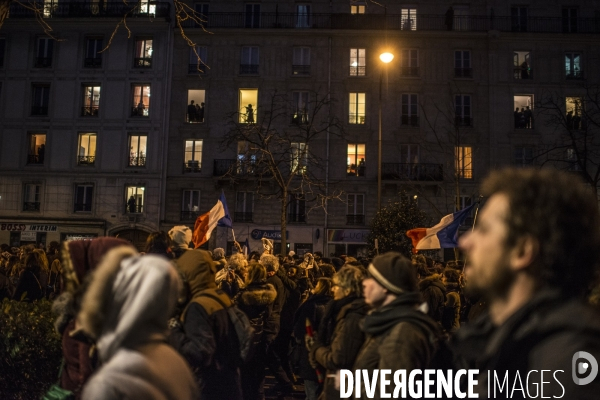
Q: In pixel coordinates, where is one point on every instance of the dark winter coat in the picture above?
(398, 337)
(29, 283)
(434, 293)
(341, 348)
(313, 309)
(256, 301)
(291, 300)
(207, 337)
(278, 304)
(545, 334)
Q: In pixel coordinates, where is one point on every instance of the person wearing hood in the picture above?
(204, 334)
(80, 258)
(125, 311)
(256, 301)
(339, 336)
(181, 236)
(399, 335)
(219, 258)
(433, 290)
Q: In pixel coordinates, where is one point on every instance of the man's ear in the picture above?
(524, 253)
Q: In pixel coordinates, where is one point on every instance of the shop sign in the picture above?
(347, 235)
(258, 234)
(80, 236)
(26, 227)
(28, 236)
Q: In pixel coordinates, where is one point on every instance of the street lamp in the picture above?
(385, 58)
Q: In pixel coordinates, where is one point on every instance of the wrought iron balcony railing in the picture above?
(35, 159)
(92, 62)
(463, 72)
(358, 219)
(79, 207)
(300, 69)
(31, 206)
(89, 111)
(410, 120)
(137, 161)
(109, 9)
(192, 166)
(412, 171)
(86, 160)
(42, 62)
(142, 62)
(248, 69)
(39, 110)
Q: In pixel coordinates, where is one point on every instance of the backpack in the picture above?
(243, 328)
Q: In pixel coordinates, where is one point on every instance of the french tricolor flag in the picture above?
(206, 223)
(443, 235)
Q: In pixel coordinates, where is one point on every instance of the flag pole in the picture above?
(235, 243)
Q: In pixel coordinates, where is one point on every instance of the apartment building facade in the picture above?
(447, 101)
(83, 121)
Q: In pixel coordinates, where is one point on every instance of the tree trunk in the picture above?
(4, 8)
(283, 223)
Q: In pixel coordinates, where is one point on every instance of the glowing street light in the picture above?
(386, 57)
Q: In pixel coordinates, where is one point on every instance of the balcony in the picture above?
(92, 62)
(137, 161)
(412, 172)
(192, 166)
(463, 72)
(296, 218)
(522, 73)
(31, 206)
(35, 159)
(409, 71)
(223, 167)
(83, 207)
(248, 69)
(89, 111)
(242, 216)
(409, 120)
(111, 9)
(358, 70)
(301, 70)
(39, 110)
(189, 215)
(358, 219)
(134, 208)
(356, 170)
(42, 62)
(142, 62)
(86, 160)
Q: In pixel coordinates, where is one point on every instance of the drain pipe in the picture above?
(327, 147)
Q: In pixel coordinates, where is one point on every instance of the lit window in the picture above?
(137, 150)
(143, 53)
(522, 65)
(358, 62)
(357, 108)
(409, 19)
(91, 100)
(356, 160)
(193, 155)
(141, 100)
(195, 107)
(134, 199)
(248, 100)
(190, 205)
(574, 109)
(37, 148)
(464, 162)
(300, 107)
(299, 158)
(246, 158)
(573, 66)
(358, 8)
(87, 149)
(83, 198)
(523, 114)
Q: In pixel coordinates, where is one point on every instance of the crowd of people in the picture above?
(181, 323)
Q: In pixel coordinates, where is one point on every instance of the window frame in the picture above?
(298, 158)
(85, 196)
(358, 69)
(303, 15)
(249, 60)
(461, 69)
(141, 48)
(408, 18)
(520, 157)
(137, 158)
(91, 108)
(463, 162)
(88, 158)
(41, 92)
(300, 114)
(355, 117)
(139, 208)
(409, 63)
(194, 162)
(571, 73)
(93, 55)
(357, 217)
(36, 204)
(243, 110)
(190, 213)
(358, 167)
(143, 98)
(410, 109)
(463, 118)
(296, 208)
(33, 149)
(43, 53)
(244, 209)
(198, 66)
(301, 60)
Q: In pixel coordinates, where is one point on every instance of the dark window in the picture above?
(301, 61)
(244, 204)
(303, 16)
(198, 60)
(462, 64)
(410, 63)
(201, 15)
(573, 66)
(40, 99)
(31, 197)
(249, 64)
(523, 156)
(252, 17)
(43, 55)
(462, 104)
(355, 214)
(300, 108)
(2, 49)
(518, 17)
(296, 208)
(410, 113)
(190, 205)
(93, 55)
(83, 198)
(569, 20)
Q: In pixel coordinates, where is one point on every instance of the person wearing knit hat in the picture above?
(181, 236)
(399, 335)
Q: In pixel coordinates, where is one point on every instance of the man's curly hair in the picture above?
(560, 212)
